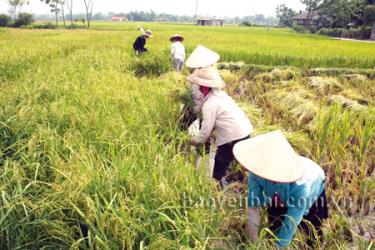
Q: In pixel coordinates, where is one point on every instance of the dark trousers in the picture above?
(314, 218)
(224, 157)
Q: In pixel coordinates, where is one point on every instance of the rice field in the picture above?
(91, 155)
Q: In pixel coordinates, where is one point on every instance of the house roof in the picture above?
(306, 16)
(209, 19)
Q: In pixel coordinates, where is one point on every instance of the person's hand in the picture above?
(197, 109)
(193, 142)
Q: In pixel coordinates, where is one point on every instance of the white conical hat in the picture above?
(202, 57)
(208, 77)
(269, 156)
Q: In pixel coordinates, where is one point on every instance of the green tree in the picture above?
(69, 5)
(100, 16)
(23, 19)
(311, 5)
(4, 20)
(62, 3)
(89, 5)
(369, 15)
(54, 7)
(339, 13)
(285, 15)
(15, 6)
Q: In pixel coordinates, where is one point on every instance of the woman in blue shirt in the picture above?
(291, 186)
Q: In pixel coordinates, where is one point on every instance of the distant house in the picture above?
(118, 19)
(160, 20)
(306, 18)
(210, 22)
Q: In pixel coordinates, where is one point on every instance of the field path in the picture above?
(353, 40)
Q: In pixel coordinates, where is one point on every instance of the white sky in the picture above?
(219, 8)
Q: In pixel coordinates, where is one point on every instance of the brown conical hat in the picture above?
(181, 38)
(148, 33)
(208, 77)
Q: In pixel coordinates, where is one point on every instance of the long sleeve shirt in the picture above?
(178, 51)
(298, 196)
(139, 44)
(221, 113)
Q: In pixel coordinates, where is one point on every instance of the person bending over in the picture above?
(220, 113)
(140, 42)
(290, 186)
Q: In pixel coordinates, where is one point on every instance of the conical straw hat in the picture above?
(181, 38)
(269, 156)
(148, 33)
(202, 57)
(208, 77)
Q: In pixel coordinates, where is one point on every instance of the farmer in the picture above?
(220, 113)
(140, 42)
(178, 52)
(200, 58)
(291, 186)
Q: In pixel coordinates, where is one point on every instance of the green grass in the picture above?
(268, 46)
(85, 142)
(265, 46)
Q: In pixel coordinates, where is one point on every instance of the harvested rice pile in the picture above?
(328, 115)
(346, 103)
(277, 75)
(324, 85)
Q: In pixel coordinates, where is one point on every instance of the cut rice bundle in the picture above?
(346, 103)
(296, 103)
(235, 66)
(277, 75)
(324, 85)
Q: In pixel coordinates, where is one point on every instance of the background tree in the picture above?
(89, 5)
(285, 15)
(23, 19)
(369, 15)
(311, 5)
(15, 6)
(54, 7)
(69, 5)
(101, 16)
(259, 18)
(340, 13)
(62, 3)
(5, 20)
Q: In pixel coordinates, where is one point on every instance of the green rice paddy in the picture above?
(91, 155)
